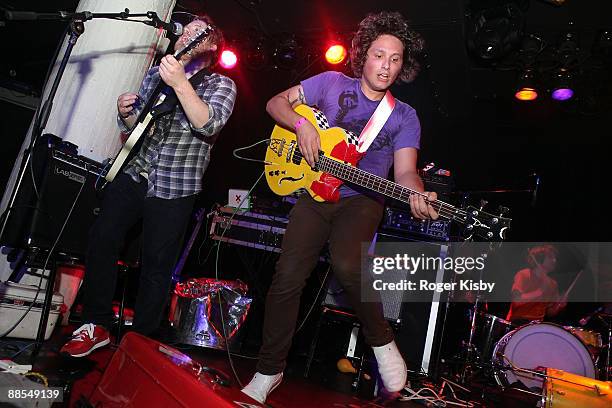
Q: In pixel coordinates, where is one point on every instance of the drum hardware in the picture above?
(469, 348)
(607, 319)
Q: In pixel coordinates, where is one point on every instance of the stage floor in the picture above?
(325, 387)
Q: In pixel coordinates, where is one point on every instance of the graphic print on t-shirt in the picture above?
(347, 100)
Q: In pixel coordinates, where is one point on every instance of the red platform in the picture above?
(146, 373)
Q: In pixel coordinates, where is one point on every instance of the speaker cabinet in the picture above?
(63, 202)
(418, 324)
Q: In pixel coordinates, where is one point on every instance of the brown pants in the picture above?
(346, 225)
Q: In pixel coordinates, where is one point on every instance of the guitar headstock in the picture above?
(484, 225)
(194, 40)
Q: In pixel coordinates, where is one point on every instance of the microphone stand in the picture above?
(77, 27)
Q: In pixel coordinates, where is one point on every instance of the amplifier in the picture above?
(248, 228)
(399, 220)
(418, 325)
(437, 181)
(64, 185)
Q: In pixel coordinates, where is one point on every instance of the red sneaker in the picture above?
(86, 339)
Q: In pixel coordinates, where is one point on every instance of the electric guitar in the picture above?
(287, 172)
(153, 108)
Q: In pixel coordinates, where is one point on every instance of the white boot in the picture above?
(391, 366)
(262, 385)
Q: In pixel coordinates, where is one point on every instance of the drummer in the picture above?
(535, 295)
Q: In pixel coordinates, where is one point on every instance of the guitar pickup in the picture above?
(290, 156)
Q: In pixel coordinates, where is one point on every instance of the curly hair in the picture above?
(392, 23)
(216, 37)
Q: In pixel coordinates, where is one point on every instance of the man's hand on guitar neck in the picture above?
(309, 141)
(422, 207)
(172, 72)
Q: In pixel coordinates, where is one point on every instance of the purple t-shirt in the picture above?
(344, 104)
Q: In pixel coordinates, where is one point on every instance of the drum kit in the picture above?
(563, 365)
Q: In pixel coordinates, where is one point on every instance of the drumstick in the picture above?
(571, 286)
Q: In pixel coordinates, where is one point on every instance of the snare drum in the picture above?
(536, 345)
(565, 390)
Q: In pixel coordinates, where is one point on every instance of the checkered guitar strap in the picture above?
(322, 123)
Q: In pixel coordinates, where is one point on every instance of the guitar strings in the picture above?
(444, 209)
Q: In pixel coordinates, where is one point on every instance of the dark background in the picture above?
(471, 123)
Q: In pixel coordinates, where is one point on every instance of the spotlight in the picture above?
(603, 45)
(531, 47)
(567, 50)
(562, 89)
(228, 59)
(494, 32)
(257, 55)
(286, 53)
(526, 89)
(335, 54)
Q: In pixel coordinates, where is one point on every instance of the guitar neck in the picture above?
(154, 96)
(383, 186)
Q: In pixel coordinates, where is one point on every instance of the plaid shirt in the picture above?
(174, 154)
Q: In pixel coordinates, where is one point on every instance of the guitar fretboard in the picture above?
(383, 186)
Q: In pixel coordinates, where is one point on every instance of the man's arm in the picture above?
(206, 118)
(196, 110)
(127, 108)
(173, 74)
(281, 108)
(405, 173)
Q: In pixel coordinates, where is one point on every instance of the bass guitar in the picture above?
(288, 172)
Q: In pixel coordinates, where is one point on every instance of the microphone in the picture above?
(172, 27)
(588, 317)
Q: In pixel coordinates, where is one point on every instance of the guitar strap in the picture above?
(171, 99)
(328, 186)
(376, 122)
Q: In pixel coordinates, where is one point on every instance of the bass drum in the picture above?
(538, 345)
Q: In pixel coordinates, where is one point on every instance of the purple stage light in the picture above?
(562, 94)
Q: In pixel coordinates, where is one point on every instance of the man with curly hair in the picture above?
(383, 52)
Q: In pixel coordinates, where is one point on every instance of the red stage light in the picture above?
(335, 54)
(228, 59)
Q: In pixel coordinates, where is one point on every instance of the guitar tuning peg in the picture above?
(483, 203)
(503, 210)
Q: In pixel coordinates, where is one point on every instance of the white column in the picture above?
(110, 57)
